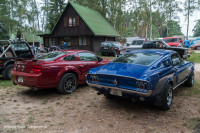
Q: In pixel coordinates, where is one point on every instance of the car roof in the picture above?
(154, 51)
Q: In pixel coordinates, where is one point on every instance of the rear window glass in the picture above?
(51, 56)
(137, 42)
(20, 46)
(106, 44)
(138, 58)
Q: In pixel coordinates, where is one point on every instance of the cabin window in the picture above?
(82, 41)
(70, 22)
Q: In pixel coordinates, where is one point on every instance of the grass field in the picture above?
(194, 57)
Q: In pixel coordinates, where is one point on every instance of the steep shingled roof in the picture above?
(94, 20)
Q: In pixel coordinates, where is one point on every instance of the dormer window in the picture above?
(71, 21)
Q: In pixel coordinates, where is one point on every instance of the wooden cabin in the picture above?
(80, 28)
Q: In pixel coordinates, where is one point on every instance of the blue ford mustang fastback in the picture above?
(143, 74)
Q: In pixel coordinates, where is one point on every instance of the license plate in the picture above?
(105, 48)
(116, 92)
(20, 79)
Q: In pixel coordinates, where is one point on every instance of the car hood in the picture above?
(122, 69)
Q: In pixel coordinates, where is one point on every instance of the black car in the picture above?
(111, 48)
(183, 52)
(11, 51)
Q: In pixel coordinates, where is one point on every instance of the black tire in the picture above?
(190, 81)
(6, 72)
(167, 97)
(67, 84)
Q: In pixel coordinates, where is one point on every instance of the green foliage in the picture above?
(194, 57)
(128, 17)
(196, 29)
(5, 83)
(53, 9)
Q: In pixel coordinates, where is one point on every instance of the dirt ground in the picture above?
(83, 111)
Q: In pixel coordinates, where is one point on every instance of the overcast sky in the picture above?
(183, 22)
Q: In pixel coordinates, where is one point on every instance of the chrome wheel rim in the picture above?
(169, 97)
(70, 84)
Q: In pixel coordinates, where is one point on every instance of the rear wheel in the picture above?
(190, 81)
(67, 84)
(167, 97)
(6, 74)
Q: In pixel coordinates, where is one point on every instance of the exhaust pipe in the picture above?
(99, 92)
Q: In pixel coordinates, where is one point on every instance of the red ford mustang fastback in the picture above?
(61, 69)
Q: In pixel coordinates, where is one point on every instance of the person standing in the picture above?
(187, 43)
(123, 48)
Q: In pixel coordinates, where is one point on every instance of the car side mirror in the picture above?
(128, 44)
(176, 62)
(181, 41)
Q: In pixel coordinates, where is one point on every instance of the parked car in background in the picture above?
(12, 50)
(195, 46)
(183, 52)
(130, 39)
(61, 69)
(110, 47)
(135, 44)
(54, 48)
(150, 75)
(173, 41)
(195, 42)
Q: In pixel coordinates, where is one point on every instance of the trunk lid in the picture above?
(123, 69)
(26, 65)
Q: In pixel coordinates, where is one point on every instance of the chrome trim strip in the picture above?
(179, 84)
(118, 76)
(123, 90)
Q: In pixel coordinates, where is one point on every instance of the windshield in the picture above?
(20, 46)
(138, 58)
(170, 40)
(51, 56)
(137, 42)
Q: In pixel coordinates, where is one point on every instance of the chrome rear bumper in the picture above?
(123, 90)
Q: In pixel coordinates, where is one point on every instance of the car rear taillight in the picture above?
(35, 69)
(15, 67)
(1, 62)
(111, 48)
(118, 51)
(142, 85)
(185, 52)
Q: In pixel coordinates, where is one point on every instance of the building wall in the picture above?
(62, 31)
